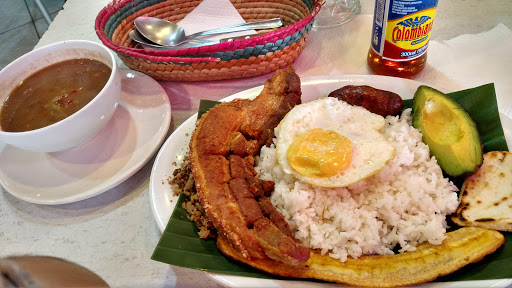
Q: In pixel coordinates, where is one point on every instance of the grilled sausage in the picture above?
(377, 101)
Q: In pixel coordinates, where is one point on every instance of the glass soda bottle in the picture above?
(400, 36)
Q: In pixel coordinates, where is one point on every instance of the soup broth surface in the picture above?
(52, 94)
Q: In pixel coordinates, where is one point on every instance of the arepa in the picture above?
(485, 198)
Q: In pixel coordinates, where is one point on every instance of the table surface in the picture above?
(86, 232)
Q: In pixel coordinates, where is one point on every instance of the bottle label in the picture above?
(401, 28)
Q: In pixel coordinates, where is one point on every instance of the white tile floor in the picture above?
(21, 26)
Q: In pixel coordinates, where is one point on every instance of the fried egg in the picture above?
(329, 143)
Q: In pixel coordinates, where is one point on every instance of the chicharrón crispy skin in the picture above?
(222, 150)
(461, 247)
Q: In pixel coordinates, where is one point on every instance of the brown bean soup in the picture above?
(52, 94)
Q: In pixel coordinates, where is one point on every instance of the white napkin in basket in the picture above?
(213, 14)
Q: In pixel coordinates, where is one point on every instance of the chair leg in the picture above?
(44, 11)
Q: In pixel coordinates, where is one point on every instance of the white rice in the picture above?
(405, 204)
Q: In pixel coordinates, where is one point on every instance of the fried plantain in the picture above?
(428, 262)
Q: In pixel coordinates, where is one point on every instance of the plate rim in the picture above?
(241, 281)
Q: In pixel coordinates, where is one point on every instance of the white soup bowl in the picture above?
(79, 127)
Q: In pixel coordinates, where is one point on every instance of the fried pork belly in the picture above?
(222, 150)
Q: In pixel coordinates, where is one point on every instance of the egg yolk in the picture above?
(320, 153)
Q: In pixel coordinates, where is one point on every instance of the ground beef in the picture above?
(182, 181)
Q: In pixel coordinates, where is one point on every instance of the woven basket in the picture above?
(239, 58)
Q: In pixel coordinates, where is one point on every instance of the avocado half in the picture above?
(448, 130)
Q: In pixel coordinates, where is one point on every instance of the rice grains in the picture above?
(402, 206)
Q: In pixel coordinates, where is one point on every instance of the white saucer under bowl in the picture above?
(135, 132)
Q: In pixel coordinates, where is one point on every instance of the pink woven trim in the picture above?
(245, 43)
(177, 55)
(99, 27)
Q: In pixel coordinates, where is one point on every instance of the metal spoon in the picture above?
(167, 33)
(136, 36)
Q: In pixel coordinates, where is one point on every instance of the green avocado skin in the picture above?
(451, 134)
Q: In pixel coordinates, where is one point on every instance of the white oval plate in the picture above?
(175, 148)
(133, 135)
